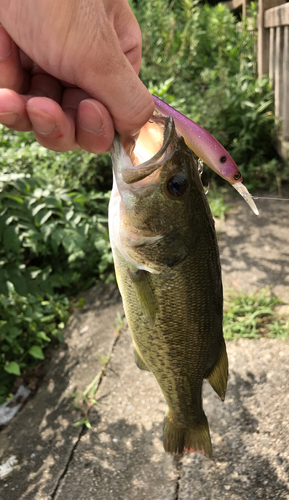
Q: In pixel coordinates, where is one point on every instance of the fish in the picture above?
(208, 149)
(169, 275)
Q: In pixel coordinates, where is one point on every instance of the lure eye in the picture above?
(223, 159)
(177, 186)
(237, 176)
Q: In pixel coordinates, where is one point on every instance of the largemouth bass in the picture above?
(168, 272)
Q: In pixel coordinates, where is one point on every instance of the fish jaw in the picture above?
(124, 236)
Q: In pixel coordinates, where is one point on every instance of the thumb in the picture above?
(109, 77)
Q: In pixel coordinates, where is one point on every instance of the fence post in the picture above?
(278, 86)
(285, 125)
(271, 56)
(263, 36)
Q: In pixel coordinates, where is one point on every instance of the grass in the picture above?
(253, 316)
(217, 202)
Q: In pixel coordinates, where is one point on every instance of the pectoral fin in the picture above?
(144, 294)
(139, 361)
(219, 374)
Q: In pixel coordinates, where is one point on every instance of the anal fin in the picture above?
(144, 294)
(218, 376)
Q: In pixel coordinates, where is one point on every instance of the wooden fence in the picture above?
(276, 62)
(273, 56)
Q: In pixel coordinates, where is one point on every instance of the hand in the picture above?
(68, 71)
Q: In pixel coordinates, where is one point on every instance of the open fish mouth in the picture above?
(150, 150)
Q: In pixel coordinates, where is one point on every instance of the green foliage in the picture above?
(197, 59)
(53, 243)
(20, 153)
(253, 316)
(27, 326)
(50, 237)
(217, 202)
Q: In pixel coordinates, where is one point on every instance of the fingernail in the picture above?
(91, 119)
(42, 123)
(8, 119)
(5, 44)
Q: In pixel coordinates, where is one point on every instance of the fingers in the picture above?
(81, 123)
(46, 86)
(95, 129)
(52, 127)
(12, 75)
(13, 111)
(94, 126)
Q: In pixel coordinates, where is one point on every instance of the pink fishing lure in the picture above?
(207, 148)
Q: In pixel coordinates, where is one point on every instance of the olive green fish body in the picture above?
(170, 280)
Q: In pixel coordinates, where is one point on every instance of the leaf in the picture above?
(3, 285)
(73, 241)
(36, 352)
(13, 368)
(44, 216)
(69, 214)
(83, 421)
(38, 193)
(263, 106)
(80, 303)
(100, 245)
(11, 239)
(3, 224)
(34, 272)
(249, 104)
(39, 207)
(56, 238)
(79, 254)
(53, 203)
(43, 336)
(15, 198)
(19, 283)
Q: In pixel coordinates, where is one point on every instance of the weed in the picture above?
(253, 316)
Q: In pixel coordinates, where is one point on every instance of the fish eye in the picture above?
(223, 159)
(177, 186)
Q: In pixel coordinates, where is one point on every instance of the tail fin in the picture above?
(190, 439)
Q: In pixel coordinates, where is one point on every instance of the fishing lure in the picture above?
(206, 147)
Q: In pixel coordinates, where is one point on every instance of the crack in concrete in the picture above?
(84, 428)
(82, 432)
(179, 467)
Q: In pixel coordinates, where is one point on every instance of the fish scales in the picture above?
(182, 343)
